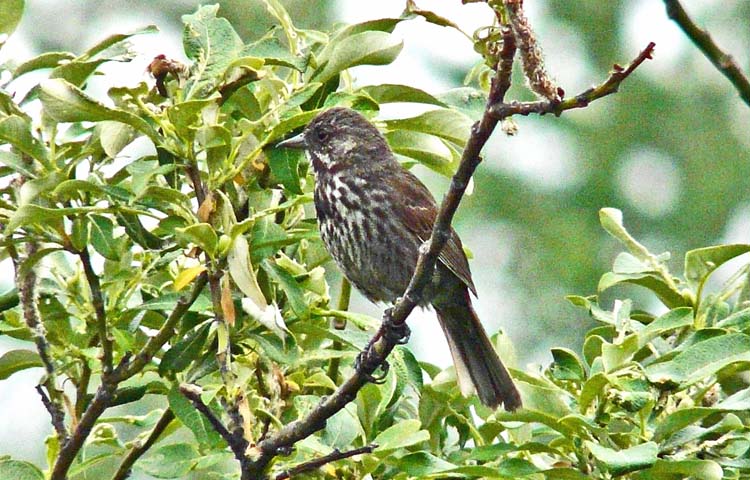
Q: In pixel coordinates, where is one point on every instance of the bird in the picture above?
(373, 215)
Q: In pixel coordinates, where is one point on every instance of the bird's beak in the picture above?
(294, 142)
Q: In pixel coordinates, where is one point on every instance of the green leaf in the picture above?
(45, 60)
(17, 360)
(201, 234)
(184, 351)
(114, 136)
(701, 360)
(365, 48)
(470, 101)
(288, 124)
(615, 355)
(275, 53)
(137, 232)
(169, 461)
(10, 14)
(421, 464)
(400, 435)
(16, 131)
(102, 237)
(694, 469)
(593, 387)
(406, 367)
(213, 45)
(343, 428)
(391, 93)
(675, 421)
(700, 263)
(672, 320)
(619, 462)
(294, 292)
(193, 419)
(301, 96)
(116, 39)
(65, 102)
(71, 189)
(426, 149)
(445, 123)
(611, 221)
(19, 470)
(36, 215)
(284, 163)
(567, 365)
(168, 301)
(15, 163)
(670, 297)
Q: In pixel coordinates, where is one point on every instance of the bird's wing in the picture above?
(419, 210)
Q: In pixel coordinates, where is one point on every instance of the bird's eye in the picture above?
(322, 136)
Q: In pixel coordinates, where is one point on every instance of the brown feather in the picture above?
(420, 208)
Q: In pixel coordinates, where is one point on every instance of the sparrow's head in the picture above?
(341, 138)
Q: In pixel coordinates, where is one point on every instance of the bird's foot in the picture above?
(364, 365)
(397, 333)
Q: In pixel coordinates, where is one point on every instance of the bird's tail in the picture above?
(478, 366)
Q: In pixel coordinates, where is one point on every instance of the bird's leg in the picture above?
(367, 361)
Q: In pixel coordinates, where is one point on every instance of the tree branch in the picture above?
(319, 462)
(123, 471)
(69, 450)
(154, 344)
(237, 443)
(502, 110)
(724, 62)
(101, 316)
(27, 294)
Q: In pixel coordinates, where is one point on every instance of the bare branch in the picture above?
(724, 62)
(55, 412)
(27, 294)
(326, 459)
(609, 86)
(236, 442)
(69, 450)
(123, 471)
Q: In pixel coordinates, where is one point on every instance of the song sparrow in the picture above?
(373, 216)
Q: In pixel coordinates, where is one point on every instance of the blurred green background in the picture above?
(670, 150)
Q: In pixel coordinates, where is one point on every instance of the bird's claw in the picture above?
(361, 365)
(399, 333)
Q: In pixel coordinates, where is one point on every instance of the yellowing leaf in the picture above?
(186, 276)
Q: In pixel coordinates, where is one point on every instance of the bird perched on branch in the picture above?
(373, 216)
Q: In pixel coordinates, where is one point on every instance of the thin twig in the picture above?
(608, 87)
(101, 315)
(326, 459)
(154, 344)
(237, 444)
(123, 471)
(724, 62)
(55, 413)
(27, 283)
(69, 450)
